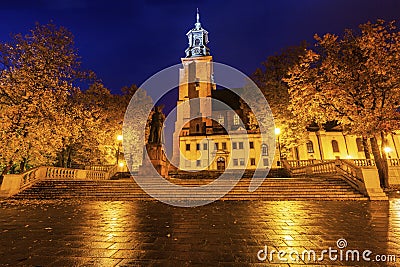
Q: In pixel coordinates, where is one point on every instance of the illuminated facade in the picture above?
(202, 143)
(333, 144)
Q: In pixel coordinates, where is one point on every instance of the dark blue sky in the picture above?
(126, 42)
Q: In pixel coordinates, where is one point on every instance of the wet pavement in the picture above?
(224, 233)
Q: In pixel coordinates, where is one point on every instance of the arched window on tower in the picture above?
(264, 150)
(360, 146)
(221, 119)
(236, 119)
(335, 146)
(310, 147)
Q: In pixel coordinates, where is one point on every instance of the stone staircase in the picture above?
(301, 188)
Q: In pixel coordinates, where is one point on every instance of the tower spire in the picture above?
(197, 24)
(198, 40)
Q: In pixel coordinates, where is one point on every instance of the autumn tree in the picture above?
(38, 75)
(354, 80)
(270, 79)
(109, 116)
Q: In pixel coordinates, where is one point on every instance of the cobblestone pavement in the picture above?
(149, 233)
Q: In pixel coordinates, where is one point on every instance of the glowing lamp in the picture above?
(387, 149)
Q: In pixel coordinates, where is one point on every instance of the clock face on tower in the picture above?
(196, 51)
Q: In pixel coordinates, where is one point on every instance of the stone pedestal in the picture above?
(156, 160)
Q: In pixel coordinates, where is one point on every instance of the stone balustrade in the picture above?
(104, 168)
(362, 162)
(394, 162)
(361, 174)
(14, 183)
(324, 167)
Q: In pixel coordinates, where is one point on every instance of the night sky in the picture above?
(125, 42)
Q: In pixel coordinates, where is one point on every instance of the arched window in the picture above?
(264, 149)
(236, 119)
(360, 146)
(310, 147)
(335, 146)
(221, 119)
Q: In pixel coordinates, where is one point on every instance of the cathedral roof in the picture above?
(227, 97)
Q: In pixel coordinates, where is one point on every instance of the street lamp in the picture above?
(277, 133)
(119, 139)
(387, 151)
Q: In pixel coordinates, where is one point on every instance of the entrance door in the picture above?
(221, 164)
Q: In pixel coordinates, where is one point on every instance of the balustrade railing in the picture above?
(361, 174)
(60, 173)
(362, 162)
(301, 163)
(43, 173)
(104, 168)
(394, 162)
(324, 167)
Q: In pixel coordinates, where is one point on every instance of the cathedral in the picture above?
(201, 143)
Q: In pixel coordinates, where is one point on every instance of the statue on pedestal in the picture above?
(155, 151)
(156, 126)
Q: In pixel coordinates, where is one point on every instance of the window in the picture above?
(216, 146)
(235, 162)
(236, 119)
(197, 146)
(360, 145)
(264, 149)
(335, 146)
(197, 128)
(224, 146)
(241, 162)
(234, 145)
(240, 145)
(197, 42)
(310, 147)
(187, 147)
(252, 161)
(221, 119)
(197, 82)
(251, 144)
(265, 162)
(198, 163)
(205, 146)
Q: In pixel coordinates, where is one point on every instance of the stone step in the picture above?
(271, 189)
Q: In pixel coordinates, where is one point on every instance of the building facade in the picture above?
(325, 144)
(201, 139)
(201, 143)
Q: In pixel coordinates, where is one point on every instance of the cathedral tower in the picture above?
(195, 81)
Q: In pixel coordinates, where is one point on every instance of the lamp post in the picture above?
(277, 133)
(119, 140)
(387, 151)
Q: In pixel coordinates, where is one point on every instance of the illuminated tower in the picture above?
(195, 81)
